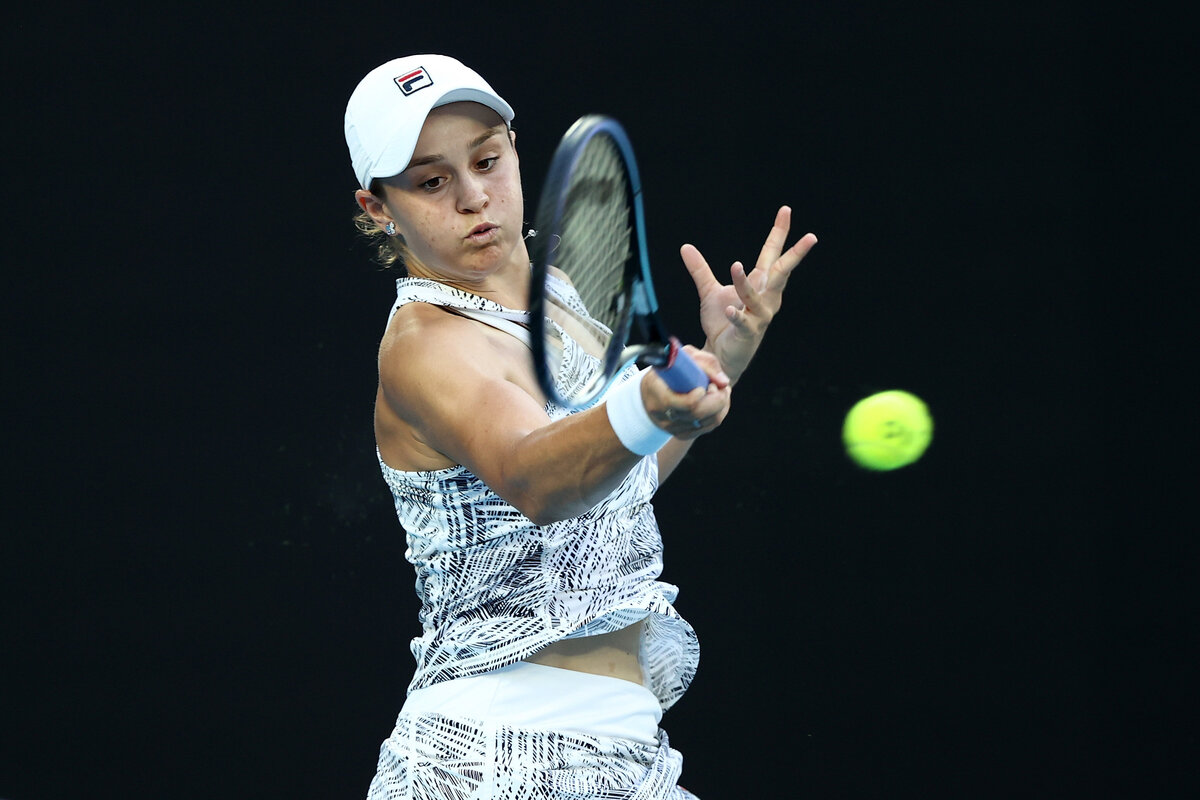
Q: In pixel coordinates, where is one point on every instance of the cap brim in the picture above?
(395, 158)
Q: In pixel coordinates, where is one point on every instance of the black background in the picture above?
(204, 591)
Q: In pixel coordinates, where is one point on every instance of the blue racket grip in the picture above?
(680, 372)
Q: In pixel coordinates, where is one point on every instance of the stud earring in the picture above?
(390, 229)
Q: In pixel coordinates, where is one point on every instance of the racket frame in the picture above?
(660, 350)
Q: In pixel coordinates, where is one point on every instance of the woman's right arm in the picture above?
(471, 399)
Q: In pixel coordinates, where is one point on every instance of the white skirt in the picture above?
(527, 732)
(538, 697)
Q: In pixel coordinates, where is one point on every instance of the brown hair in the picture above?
(390, 251)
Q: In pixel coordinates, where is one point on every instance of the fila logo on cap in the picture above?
(414, 81)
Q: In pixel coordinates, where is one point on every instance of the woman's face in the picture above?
(458, 205)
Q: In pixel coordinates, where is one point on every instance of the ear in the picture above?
(374, 207)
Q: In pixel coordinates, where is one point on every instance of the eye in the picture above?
(432, 184)
(486, 164)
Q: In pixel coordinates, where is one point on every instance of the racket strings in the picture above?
(596, 231)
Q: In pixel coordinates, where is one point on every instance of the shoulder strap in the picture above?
(514, 323)
(500, 320)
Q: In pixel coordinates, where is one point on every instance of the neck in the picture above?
(507, 285)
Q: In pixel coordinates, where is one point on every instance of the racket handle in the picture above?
(680, 372)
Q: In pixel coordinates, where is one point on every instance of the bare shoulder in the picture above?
(558, 273)
(440, 375)
(418, 329)
(425, 345)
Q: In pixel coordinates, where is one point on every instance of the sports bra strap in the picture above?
(514, 323)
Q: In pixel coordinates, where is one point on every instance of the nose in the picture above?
(472, 194)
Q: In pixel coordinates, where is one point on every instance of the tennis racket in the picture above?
(591, 232)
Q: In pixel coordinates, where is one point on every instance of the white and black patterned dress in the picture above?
(495, 588)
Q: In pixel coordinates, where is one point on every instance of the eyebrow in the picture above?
(420, 162)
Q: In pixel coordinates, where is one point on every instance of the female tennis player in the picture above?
(549, 649)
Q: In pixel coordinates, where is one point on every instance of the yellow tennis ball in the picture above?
(887, 430)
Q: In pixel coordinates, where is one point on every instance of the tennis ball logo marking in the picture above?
(897, 434)
(887, 430)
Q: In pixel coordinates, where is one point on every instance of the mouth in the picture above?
(482, 232)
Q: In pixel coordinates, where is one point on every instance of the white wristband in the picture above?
(629, 419)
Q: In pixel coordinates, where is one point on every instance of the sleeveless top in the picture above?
(495, 588)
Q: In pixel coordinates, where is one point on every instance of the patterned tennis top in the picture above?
(495, 588)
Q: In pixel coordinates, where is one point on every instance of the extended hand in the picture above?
(735, 317)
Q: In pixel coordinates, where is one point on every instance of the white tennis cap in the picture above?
(389, 106)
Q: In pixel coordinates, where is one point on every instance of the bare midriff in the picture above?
(615, 654)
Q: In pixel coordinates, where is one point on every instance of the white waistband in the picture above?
(528, 695)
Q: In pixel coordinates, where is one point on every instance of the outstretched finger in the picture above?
(698, 268)
(776, 239)
(747, 292)
(788, 261)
